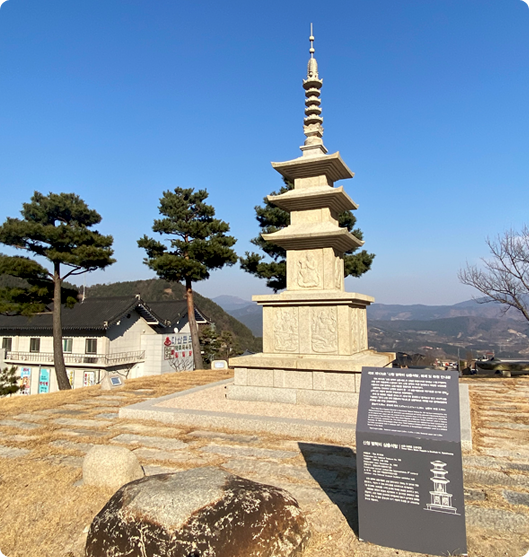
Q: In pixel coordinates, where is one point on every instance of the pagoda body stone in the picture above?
(314, 333)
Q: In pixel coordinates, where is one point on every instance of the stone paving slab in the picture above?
(269, 472)
(154, 469)
(62, 444)
(516, 498)
(182, 456)
(304, 495)
(83, 432)
(332, 461)
(147, 441)
(51, 412)
(20, 438)
(29, 417)
(148, 429)
(483, 461)
(230, 437)
(105, 402)
(141, 392)
(69, 412)
(505, 453)
(500, 520)
(490, 477)
(491, 435)
(12, 452)
(252, 452)
(510, 425)
(82, 422)
(19, 425)
(472, 494)
(67, 460)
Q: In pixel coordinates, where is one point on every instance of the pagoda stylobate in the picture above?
(314, 333)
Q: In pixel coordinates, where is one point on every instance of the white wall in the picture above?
(127, 336)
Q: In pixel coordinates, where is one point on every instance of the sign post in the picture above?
(409, 466)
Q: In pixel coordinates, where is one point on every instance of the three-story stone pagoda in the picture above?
(314, 333)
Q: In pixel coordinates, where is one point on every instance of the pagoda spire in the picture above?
(312, 124)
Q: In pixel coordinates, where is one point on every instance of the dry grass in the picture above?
(42, 512)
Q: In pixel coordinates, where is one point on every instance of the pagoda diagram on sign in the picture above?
(440, 499)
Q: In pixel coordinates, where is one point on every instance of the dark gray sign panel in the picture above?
(409, 467)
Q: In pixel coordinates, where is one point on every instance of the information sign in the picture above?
(409, 467)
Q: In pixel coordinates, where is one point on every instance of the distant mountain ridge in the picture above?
(467, 326)
(420, 312)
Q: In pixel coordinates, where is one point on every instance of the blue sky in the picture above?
(427, 102)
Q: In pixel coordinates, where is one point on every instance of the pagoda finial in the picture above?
(313, 121)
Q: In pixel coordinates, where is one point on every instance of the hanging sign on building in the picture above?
(89, 378)
(44, 380)
(409, 467)
(179, 351)
(25, 381)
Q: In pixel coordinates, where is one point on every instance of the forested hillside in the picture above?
(157, 290)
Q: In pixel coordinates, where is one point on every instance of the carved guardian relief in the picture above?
(324, 337)
(286, 330)
(308, 273)
(359, 330)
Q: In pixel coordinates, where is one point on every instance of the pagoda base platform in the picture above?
(317, 380)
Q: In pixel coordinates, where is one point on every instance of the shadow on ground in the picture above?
(334, 468)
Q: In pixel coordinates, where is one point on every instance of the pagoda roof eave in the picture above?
(314, 198)
(331, 166)
(300, 237)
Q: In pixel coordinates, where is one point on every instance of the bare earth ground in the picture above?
(45, 512)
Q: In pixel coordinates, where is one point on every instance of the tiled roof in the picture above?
(100, 313)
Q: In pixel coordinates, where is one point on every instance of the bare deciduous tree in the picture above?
(504, 277)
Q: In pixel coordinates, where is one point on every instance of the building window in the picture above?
(67, 345)
(34, 344)
(91, 346)
(7, 344)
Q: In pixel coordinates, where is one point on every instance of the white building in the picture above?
(117, 335)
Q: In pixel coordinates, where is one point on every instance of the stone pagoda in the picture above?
(314, 333)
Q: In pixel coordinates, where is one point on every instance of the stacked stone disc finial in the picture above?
(313, 121)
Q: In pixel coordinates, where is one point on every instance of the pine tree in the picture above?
(57, 228)
(271, 219)
(31, 289)
(197, 244)
(8, 381)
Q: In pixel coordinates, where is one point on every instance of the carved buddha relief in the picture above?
(308, 273)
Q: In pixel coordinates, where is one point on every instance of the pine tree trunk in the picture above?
(58, 356)
(197, 356)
